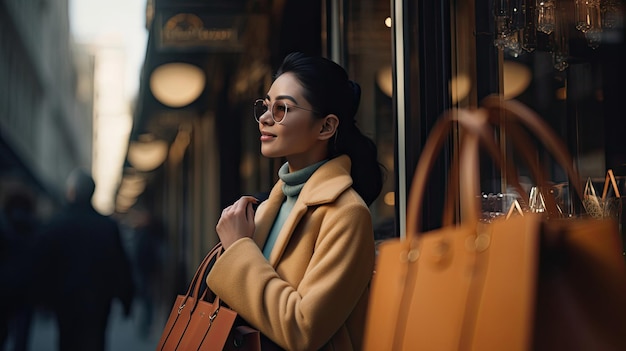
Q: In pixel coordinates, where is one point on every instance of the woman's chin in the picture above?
(269, 153)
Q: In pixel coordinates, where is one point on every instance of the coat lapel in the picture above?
(299, 209)
(266, 214)
(324, 186)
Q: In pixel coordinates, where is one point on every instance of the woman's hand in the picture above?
(237, 221)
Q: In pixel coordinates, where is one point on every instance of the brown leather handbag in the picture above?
(198, 321)
(529, 282)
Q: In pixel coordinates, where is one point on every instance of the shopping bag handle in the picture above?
(513, 110)
(194, 286)
(498, 112)
(523, 147)
(475, 132)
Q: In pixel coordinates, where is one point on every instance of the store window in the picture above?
(563, 59)
(369, 62)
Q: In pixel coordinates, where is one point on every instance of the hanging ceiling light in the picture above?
(517, 23)
(147, 153)
(177, 84)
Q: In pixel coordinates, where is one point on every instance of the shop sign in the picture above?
(192, 32)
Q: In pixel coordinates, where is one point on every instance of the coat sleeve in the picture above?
(306, 316)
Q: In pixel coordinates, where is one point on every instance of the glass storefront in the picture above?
(369, 63)
(413, 60)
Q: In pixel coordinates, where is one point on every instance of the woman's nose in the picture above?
(266, 117)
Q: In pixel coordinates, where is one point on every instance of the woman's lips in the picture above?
(267, 136)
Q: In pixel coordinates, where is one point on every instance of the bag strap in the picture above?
(497, 112)
(523, 145)
(512, 115)
(475, 132)
(216, 301)
(510, 173)
(194, 286)
(515, 111)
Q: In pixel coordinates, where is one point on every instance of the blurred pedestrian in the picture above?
(148, 260)
(84, 268)
(17, 228)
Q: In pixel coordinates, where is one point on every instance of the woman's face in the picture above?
(297, 137)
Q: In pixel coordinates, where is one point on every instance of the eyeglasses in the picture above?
(278, 109)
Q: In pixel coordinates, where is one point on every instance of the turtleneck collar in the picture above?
(294, 181)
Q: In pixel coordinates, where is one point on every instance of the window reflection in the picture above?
(369, 63)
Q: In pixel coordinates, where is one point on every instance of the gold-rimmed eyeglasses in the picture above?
(278, 110)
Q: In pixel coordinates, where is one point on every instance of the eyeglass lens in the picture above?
(279, 110)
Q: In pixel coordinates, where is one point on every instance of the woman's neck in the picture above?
(298, 163)
(318, 152)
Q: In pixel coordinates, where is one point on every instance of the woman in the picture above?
(298, 270)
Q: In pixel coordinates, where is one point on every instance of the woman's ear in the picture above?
(329, 127)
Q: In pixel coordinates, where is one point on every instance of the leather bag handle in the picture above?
(498, 112)
(475, 132)
(194, 287)
(453, 183)
(512, 110)
(524, 147)
(512, 116)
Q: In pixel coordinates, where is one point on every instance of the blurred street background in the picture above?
(123, 334)
(154, 98)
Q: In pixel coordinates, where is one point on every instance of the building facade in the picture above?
(413, 59)
(193, 148)
(45, 128)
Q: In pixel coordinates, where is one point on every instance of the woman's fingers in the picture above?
(250, 212)
(237, 221)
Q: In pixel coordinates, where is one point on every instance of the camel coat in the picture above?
(312, 294)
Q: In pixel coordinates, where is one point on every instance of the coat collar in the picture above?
(324, 186)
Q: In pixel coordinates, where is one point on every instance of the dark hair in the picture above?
(329, 91)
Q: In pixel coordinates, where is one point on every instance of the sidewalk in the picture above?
(123, 333)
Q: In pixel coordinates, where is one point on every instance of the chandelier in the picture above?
(529, 25)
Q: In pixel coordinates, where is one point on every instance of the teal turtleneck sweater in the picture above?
(294, 182)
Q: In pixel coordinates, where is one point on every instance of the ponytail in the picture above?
(366, 172)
